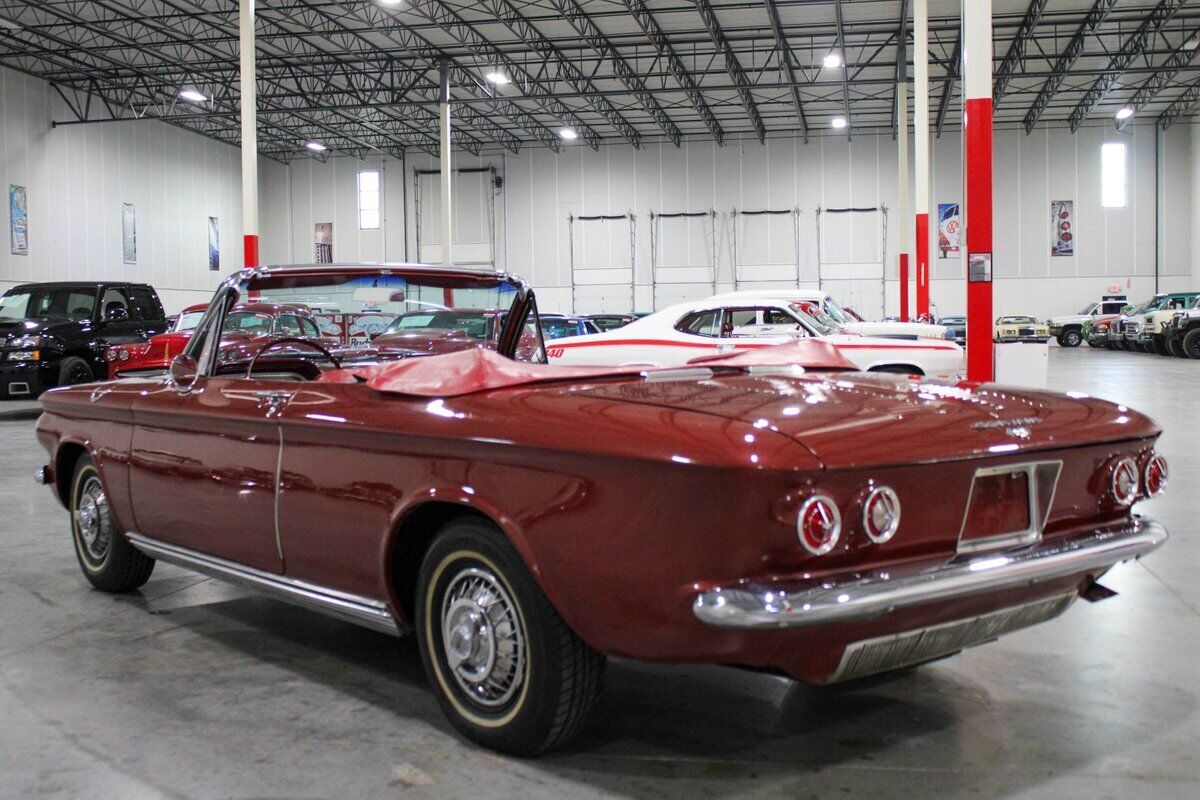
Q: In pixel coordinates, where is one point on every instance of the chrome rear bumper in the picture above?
(794, 604)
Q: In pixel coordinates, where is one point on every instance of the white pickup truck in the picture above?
(1068, 330)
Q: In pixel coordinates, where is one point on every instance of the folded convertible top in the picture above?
(479, 370)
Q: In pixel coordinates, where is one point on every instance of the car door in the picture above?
(116, 321)
(204, 464)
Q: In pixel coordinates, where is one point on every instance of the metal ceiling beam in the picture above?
(1133, 47)
(786, 59)
(1157, 82)
(1183, 104)
(841, 43)
(1066, 59)
(736, 75)
(586, 27)
(1015, 56)
(952, 72)
(508, 14)
(649, 25)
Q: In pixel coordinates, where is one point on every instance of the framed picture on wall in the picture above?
(128, 233)
(214, 244)
(1062, 226)
(949, 228)
(18, 220)
(323, 242)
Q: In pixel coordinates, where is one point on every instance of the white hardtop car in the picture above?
(847, 320)
(682, 332)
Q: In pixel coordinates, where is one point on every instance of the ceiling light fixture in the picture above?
(390, 2)
(1125, 113)
(833, 60)
(316, 147)
(497, 77)
(193, 96)
(568, 133)
(838, 122)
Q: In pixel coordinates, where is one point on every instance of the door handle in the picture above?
(724, 348)
(273, 401)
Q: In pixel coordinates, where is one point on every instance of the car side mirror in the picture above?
(184, 371)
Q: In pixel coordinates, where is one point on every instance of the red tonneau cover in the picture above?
(479, 369)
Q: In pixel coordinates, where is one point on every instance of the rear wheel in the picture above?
(1191, 343)
(107, 559)
(74, 370)
(1071, 337)
(506, 669)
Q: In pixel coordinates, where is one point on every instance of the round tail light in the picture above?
(881, 514)
(110, 354)
(123, 354)
(1154, 475)
(1125, 482)
(819, 524)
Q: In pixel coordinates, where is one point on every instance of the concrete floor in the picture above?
(195, 689)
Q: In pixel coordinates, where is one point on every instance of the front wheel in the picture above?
(1175, 345)
(1191, 343)
(506, 669)
(73, 371)
(107, 559)
(1070, 338)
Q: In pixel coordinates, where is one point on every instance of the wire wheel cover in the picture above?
(482, 639)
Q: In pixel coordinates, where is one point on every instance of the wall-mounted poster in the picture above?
(949, 228)
(323, 242)
(1062, 221)
(128, 233)
(214, 244)
(18, 220)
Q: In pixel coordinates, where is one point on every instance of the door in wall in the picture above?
(851, 257)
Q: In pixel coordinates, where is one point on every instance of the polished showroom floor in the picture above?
(194, 689)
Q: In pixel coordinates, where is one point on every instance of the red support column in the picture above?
(250, 250)
(977, 171)
(922, 264)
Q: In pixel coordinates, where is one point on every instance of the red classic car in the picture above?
(770, 509)
(247, 326)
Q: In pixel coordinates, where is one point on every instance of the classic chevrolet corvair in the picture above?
(769, 509)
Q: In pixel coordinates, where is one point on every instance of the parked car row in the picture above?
(1167, 324)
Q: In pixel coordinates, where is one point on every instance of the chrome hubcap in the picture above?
(92, 519)
(482, 638)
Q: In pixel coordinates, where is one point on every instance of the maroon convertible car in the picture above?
(774, 510)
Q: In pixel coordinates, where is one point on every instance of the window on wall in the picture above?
(1112, 175)
(369, 214)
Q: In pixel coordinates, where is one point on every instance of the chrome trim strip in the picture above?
(354, 608)
(279, 491)
(782, 605)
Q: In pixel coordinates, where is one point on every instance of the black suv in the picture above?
(55, 334)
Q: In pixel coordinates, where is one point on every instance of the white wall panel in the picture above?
(78, 176)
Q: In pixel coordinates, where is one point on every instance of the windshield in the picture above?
(835, 314)
(475, 324)
(397, 298)
(1088, 310)
(70, 302)
(251, 322)
(188, 320)
(816, 318)
(954, 320)
(559, 328)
